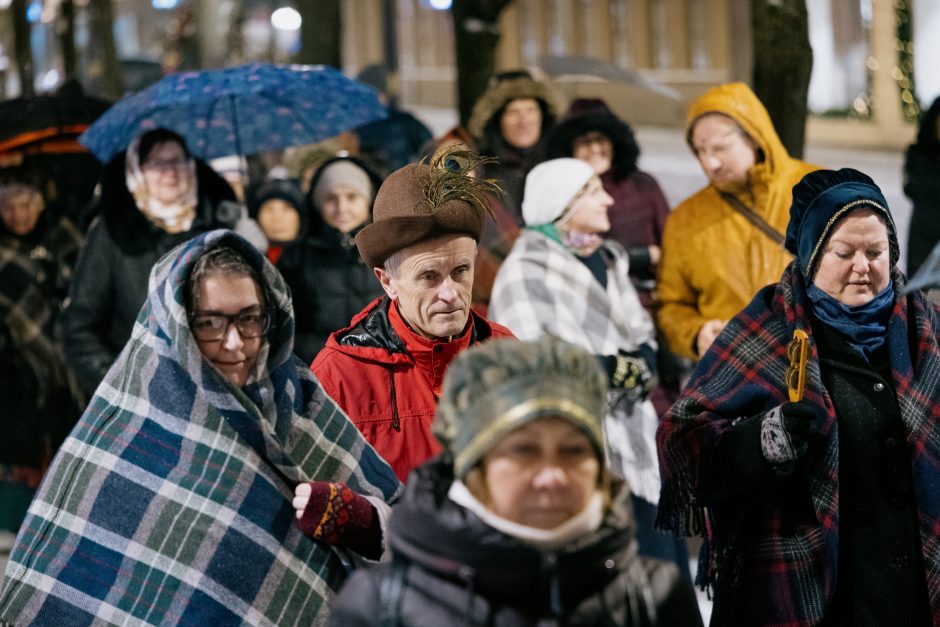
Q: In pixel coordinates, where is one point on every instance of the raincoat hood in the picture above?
(738, 102)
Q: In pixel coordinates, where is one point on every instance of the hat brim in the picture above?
(380, 240)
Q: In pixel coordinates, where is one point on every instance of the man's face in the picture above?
(724, 151)
(433, 285)
(521, 123)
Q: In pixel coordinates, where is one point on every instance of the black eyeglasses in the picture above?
(798, 354)
(209, 327)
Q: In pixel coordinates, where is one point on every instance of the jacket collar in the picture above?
(372, 335)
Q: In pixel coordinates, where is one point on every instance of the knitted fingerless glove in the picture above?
(337, 515)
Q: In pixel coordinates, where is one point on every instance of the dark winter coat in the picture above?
(328, 280)
(110, 281)
(922, 186)
(778, 540)
(37, 399)
(450, 568)
(881, 568)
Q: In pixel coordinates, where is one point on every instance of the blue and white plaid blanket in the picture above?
(170, 501)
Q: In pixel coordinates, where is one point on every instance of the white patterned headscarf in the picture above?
(173, 217)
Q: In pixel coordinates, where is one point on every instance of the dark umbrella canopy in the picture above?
(241, 110)
(49, 123)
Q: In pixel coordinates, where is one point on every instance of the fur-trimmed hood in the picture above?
(496, 97)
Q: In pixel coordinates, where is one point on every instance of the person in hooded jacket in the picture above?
(724, 243)
(153, 197)
(38, 248)
(510, 122)
(518, 522)
(922, 186)
(277, 205)
(328, 279)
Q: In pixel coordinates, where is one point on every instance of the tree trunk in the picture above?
(66, 33)
(21, 47)
(101, 22)
(320, 33)
(476, 35)
(783, 62)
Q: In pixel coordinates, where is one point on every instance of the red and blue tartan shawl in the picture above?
(786, 556)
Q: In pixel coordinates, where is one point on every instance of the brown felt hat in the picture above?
(422, 201)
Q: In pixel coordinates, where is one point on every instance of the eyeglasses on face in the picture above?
(209, 327)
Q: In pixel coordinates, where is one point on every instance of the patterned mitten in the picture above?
(631, 372)
(785, 432)
(337, 515)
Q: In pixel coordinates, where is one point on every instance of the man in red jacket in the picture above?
(385, 369)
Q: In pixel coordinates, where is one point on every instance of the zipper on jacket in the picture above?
(396, 425)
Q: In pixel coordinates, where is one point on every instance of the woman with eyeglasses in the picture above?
(171, 500)
(152, 198)
(805, 447)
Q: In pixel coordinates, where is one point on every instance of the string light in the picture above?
(903, 72)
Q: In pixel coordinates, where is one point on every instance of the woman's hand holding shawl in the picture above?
(333, 513)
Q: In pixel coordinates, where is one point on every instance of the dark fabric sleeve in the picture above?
(87, 315)
(358, 602)
(639, 258)
(736, 465)
(674, 598)
(295, 268)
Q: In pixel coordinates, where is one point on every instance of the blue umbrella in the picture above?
(240, 110)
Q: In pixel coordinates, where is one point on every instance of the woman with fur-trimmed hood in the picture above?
(510, 122)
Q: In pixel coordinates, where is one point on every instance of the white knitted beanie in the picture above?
(550, 188)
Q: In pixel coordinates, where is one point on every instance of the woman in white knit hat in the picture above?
(563, 279)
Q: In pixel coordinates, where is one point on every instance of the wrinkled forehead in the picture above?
(446, 251)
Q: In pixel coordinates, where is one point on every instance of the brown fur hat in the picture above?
(422, 201)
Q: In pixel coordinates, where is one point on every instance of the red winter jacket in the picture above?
(388, 379)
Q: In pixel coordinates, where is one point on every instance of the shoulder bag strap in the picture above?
(753, 218)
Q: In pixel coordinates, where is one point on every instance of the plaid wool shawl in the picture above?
(543, 289)
(786, 554)
(29, 299)
(170, 502)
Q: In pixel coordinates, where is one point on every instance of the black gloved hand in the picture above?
(785, 432)
(631, 372)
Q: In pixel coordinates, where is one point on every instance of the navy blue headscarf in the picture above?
(820, 201)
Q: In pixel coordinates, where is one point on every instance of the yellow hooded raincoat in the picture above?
(714, 260)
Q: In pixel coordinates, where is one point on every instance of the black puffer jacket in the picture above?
(452, 569)
(109, 285)
(329, 281)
